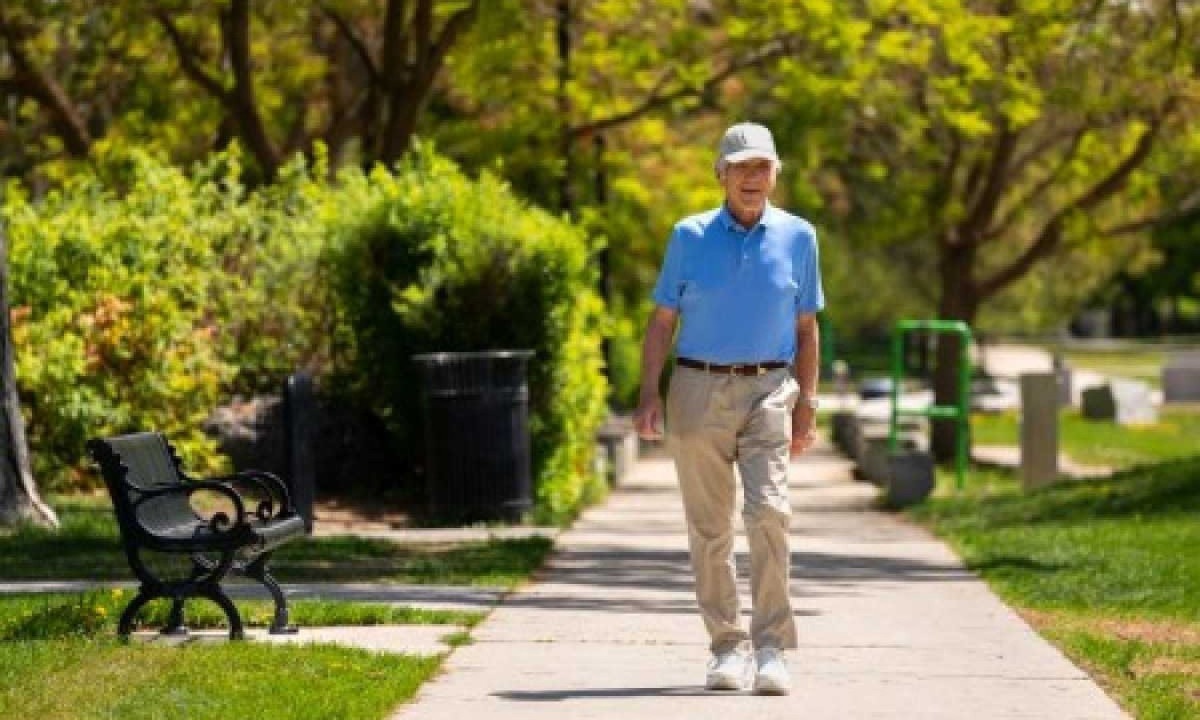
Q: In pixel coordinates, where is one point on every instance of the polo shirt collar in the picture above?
(729, 222)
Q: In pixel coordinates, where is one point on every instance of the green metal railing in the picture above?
(959, 412)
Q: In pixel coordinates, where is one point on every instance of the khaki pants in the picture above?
(713, 422)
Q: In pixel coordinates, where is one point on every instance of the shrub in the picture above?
(142, 295)
(426, 259)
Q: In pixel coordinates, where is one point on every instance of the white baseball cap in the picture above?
(745, 141)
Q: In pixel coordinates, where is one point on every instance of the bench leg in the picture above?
(257, 569)
(213, 592)
(202, 568)
(125, 625)
(175, 624)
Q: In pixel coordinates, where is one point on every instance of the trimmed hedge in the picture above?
(143, 295)
(427, 259)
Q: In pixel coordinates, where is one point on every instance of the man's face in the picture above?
(748, 183)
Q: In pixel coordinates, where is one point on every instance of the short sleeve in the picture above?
(810, 296)
(669, 289)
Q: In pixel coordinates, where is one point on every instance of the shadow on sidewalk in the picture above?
(660, 581)
(560, 695)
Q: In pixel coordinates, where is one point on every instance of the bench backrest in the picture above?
(132, 464)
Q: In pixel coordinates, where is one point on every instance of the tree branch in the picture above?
(980, 214)
(1048, 239)
(395, 43)
(1116, 179)
(455, 26)
(189, 58)
(423, 34)
(1189, 206)
(242, 100)
(941, 191)
(1047, 143)
(656, 99)
(1045, 243)
(356, 42)
(1037, 190)
(29, 80)
(407, 95)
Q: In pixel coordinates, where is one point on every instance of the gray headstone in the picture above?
(1063, 371)
(1135, 404)
(1094, 323)
(1126, 402)
(1184, 358)
(619, 444)
(1039, 429)
(841, 429)
(1181, 377)
(1098, 403)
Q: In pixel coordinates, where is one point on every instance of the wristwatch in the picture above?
(810, 401)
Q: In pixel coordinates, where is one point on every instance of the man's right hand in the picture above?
(647, 419)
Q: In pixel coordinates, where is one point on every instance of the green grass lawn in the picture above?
(59, 659)
(1107, 569)
(87, 547)
(1175, 435)
(50, 615)
(102, 678)
(1134, 363)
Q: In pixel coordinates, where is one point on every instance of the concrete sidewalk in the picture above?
(891, 625)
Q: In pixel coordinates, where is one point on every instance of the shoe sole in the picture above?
(723, 683)
(770, 688)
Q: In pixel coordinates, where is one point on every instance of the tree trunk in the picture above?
(19, 499)
(959, 301)
(242, 102)
(404, 108)
(566, 197)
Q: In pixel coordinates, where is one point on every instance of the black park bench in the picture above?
(162, 510)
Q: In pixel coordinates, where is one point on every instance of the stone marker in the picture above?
(1181, 377)
(842, 429)
(618, 443)
(1098, 403)
(1039, 429)
(1063, 371)
(1127, 402)
(1135, 403)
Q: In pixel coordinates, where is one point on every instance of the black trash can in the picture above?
(476, 409)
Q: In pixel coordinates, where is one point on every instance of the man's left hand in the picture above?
(804, 430)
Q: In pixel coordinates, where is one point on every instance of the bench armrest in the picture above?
(220, 521)
(279, 500)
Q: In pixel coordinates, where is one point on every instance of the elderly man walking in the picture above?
(743, 283)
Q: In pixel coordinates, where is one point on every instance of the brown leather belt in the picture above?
(739, 369)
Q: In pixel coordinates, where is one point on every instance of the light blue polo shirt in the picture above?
(739, 290)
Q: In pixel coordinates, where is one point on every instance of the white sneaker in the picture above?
(772, 677)
(728, 671)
